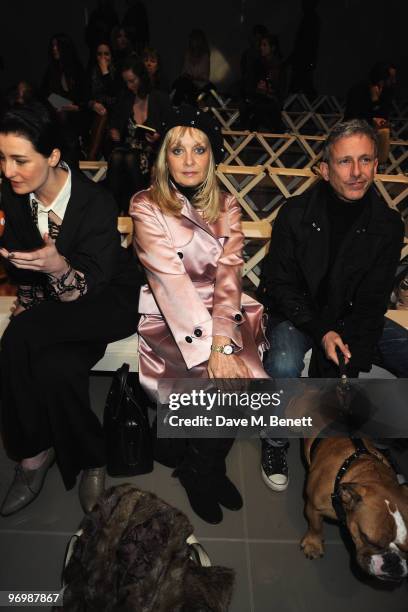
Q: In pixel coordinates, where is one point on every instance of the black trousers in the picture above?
(46, 355)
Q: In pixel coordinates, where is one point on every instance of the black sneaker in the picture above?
(274, 466)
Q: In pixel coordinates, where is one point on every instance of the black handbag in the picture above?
(126, 427)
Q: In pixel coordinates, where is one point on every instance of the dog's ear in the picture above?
(351, 494)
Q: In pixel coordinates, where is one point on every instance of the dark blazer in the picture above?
(361, 279)
(88, 236)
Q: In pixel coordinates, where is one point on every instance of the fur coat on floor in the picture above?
(133, 556)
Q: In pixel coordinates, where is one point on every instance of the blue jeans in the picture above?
(285, 358)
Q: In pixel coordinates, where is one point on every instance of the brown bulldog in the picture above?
(353, 482)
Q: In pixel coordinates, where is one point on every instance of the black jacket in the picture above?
(88, 237)
(360, 281)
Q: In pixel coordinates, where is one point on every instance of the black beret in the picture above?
(188, 116)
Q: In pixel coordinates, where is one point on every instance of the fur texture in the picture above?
(133, 556)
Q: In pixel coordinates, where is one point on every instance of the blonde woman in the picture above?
(195, 322)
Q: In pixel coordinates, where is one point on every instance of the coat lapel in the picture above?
(219, 229)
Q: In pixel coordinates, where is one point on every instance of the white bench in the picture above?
(117, 353)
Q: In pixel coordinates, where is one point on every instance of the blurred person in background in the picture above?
(195, 77)
(103, 87)
(64, 76)
(151, 60)
(134, 150)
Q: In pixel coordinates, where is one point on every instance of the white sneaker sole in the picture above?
(273, 485)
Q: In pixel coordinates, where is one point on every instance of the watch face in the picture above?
(228, 349)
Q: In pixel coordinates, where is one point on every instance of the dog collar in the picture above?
(337, 504)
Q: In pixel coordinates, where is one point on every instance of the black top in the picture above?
(103, 88)
(187, 192)
(157, 111)
(341, 216)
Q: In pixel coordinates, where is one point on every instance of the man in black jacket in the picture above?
(329, 274)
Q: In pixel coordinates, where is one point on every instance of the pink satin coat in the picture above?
(194, 273)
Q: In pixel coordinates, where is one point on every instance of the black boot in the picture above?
(200, 493)
(227, 493)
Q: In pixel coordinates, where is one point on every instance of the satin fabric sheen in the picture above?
(194, 273)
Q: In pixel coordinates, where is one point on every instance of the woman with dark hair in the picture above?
(121, 46)
(103, 88)
(151, 60)
(195, 77)
(76, 293)
(196, 322)
(265, 86)
(139, 107)
(64, 74)
(64, 77)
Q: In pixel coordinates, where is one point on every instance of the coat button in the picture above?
(180, 254)
(238, 317)
(188, 339)
(198, 332)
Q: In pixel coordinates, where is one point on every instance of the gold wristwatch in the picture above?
(226, 349)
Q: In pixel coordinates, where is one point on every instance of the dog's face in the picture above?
(378, 524)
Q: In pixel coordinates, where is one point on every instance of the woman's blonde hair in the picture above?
(207, 199)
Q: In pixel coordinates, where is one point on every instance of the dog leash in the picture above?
(344, 386)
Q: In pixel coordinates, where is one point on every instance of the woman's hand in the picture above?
(114, 134)
(227, 366)
(99, 108)
(46, 259)
(330, 342)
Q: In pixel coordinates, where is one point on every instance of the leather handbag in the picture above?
(126, 427)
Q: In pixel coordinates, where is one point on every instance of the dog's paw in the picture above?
(312, 546)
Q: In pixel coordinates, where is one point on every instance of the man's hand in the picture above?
(330, 342)
(46, 259)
